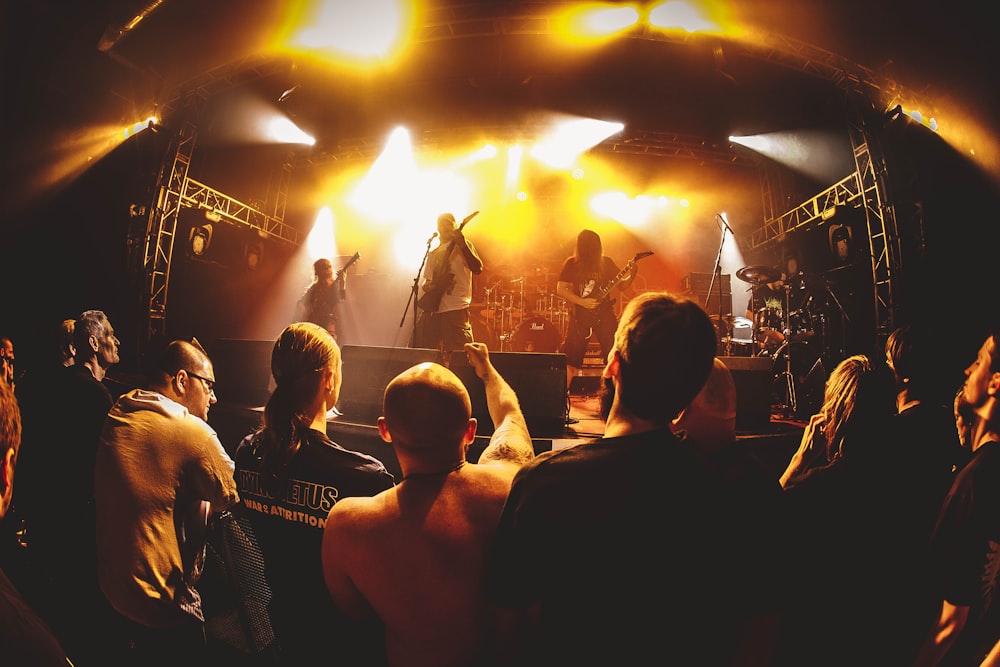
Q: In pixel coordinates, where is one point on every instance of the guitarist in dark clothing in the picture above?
(320, 304)
(583, 277)
(446, 293)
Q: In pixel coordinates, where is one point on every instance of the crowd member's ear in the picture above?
(993, 387)
(180, 382)
(612, 368)
(6, 472)
(383, 430)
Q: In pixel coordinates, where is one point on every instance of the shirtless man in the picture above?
(413, 556)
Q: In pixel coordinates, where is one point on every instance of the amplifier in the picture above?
(700, 282)
(710, 302)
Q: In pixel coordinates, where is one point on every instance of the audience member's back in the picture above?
(55, 492)
(625, 544)
(753, 504)
(852, 568)
(289, 474)
(414, 555)
(926, 447)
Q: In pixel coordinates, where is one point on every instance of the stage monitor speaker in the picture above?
(538, 379)
(711, 303)
(242, 370)
(754, 379)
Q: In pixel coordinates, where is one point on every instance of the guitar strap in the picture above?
(442, 262)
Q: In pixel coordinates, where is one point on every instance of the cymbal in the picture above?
(757, 274)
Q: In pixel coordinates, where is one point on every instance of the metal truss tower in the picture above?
(883, 236)
(162, 228)
(175, 190)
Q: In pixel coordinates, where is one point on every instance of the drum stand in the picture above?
(785, 347)
(789, 378)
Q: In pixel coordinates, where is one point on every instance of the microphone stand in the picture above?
(717, 271)
(413, 293)
(844, 320)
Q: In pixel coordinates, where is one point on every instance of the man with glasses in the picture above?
(7, 360)
(161, 473)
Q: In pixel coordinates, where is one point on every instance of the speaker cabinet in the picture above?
(710, 302)
(242, 370)
(754, 379)
(538, 379)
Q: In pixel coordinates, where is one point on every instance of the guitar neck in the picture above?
(621, 274)
(614, 281)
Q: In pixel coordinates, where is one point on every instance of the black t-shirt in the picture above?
(632, 546)
(62, 423)
(288, 523)
(966, 552)
(24, 637)
(587, 283)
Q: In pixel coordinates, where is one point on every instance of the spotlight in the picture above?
(253, 252)
(200, 238)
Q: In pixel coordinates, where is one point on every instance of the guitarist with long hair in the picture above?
(320, 304)
(444, 322)
(584, 275)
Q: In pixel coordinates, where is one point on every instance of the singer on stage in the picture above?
(446, 292)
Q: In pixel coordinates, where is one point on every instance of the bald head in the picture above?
(710, 419)
(426, 406)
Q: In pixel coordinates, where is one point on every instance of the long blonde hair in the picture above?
(857, 392)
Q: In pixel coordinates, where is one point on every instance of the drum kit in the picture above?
(523, 315)
(789, 324)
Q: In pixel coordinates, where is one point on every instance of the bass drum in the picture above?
(536, 334)
(482, 332)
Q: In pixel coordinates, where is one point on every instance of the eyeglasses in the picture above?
(209, 384)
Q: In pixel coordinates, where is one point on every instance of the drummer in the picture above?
(774, 301)
(768, 306)
(794, 280)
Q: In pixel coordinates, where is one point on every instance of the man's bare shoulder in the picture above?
(502, 469)
(359, 510)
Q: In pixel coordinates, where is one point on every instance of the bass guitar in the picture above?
(587, 319)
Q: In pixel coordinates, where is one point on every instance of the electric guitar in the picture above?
(587, 319)
(350, 263)
(441, 281)
(319, 303)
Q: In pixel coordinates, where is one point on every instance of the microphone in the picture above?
(722, 217)
(433, 236)
(465, 221)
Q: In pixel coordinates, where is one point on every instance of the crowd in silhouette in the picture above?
(135, 536)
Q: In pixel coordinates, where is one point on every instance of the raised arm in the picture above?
(510, 441)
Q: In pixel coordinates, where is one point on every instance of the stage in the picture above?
(773, 442)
